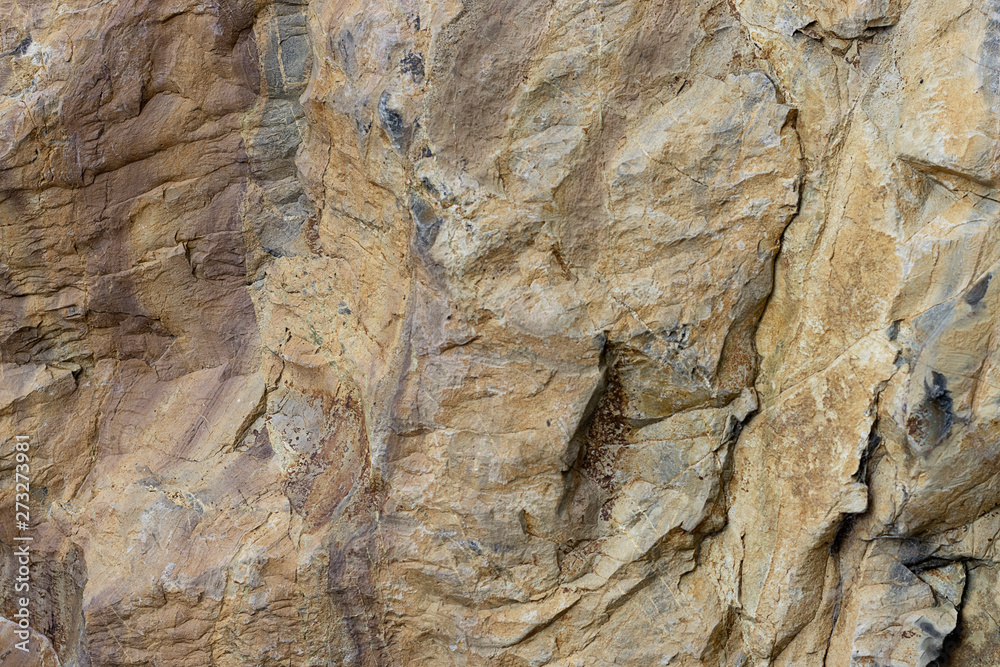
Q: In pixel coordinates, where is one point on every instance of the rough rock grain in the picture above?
(502, 332)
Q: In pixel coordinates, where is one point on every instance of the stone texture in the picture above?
(502, 332)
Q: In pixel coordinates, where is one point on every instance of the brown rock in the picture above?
(514, 332)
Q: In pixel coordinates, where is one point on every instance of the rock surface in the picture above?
(502, 332)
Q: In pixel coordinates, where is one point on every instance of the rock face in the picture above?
(501, 332)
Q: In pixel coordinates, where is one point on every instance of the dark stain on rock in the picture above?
(978, 291)
(893, 331)
(606, 510)
(351, 588)
(941, 397)
(930, 423)
(413, 64)
(901, 575)
(392, 123)
(929, 629)
(426, 221)
(345, 48)
(261, 448)
(22, 48)
(286, 56)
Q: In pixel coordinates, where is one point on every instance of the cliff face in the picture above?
(502, 332)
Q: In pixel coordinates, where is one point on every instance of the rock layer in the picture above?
(502, 332)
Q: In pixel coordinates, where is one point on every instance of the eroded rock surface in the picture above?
(502, 332)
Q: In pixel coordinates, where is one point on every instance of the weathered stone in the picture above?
(502, 332)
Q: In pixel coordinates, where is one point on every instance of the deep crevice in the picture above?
(953, 638)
